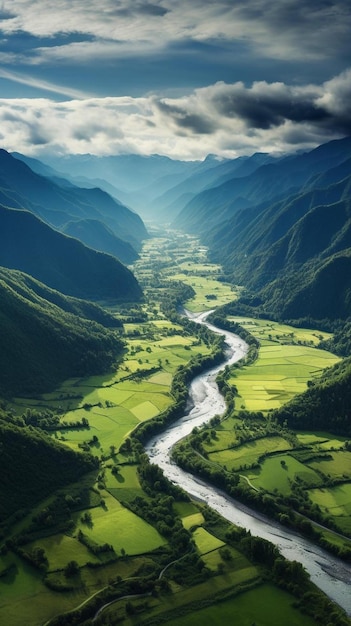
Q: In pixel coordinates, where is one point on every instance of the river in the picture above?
(330, 574)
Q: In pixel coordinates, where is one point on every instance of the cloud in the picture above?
(288, 29)
(42, 84)
(267, 105)
(225, 119)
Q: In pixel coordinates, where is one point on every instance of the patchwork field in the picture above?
(284, 365)
(113, 405)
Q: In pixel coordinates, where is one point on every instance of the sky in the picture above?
(180, 78)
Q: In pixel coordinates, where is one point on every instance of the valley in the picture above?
(113, 533)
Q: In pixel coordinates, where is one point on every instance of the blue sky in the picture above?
(182, 78)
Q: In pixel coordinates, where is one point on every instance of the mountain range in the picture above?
(283, 232)
(71, 208)
(28, 244)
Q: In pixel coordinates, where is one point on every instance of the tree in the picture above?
(71, 569)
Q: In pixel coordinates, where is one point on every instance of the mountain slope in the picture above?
(43, 338)
(268, 183)
(291, 253)
(64, 263)
(24, 480)
(94, 234)
(59, 201)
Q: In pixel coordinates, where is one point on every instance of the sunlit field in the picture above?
(287, 359)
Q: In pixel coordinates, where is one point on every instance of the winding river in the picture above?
(327, 572)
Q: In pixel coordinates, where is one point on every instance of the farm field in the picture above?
(115, 525)
(112, 406)
(249, 453)
(209, 292)
(336, 502)
(266, 606)
(288, 358)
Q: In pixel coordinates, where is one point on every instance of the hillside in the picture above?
(290, 250)
(47, 338)
(58, 201)
(25, 481)
(61, 262)
(100, 237)
(324, 406)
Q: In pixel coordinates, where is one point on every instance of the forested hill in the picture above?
(324, 406)
(63, 263)
(58, 201)
(284, 233)
(32, 466)
(46, 338)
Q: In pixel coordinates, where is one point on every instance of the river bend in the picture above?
(330, 574)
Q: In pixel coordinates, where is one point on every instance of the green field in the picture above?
(265, 606)
(284, 365)
(209, 292)
(338, 466)
(250, 452)
(335, 501)
(205, 542)
(273, 476)
(269, 332)
(116, 525)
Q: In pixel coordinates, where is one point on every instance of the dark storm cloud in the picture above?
(192, 121)
(263, 108)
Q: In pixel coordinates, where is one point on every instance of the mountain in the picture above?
(268, 183)
(58, 201)
(212, 172)
(32, 466)
(100, 237)
(61, 262)
(284, 233)
(137, 179)
(46, 337)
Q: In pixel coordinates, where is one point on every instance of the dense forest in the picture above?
(47, 337)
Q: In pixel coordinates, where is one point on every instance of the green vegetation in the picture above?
(267, 606)
(38, 323)
(30, 245)
(111, 525)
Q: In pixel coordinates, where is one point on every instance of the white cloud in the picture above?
(228, 120)
(286, 29)
(42, 84)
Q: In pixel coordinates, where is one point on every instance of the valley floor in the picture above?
(123, 533)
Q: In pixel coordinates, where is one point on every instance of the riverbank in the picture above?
(331, 575)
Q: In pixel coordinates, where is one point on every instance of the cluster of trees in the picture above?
(95, 548)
